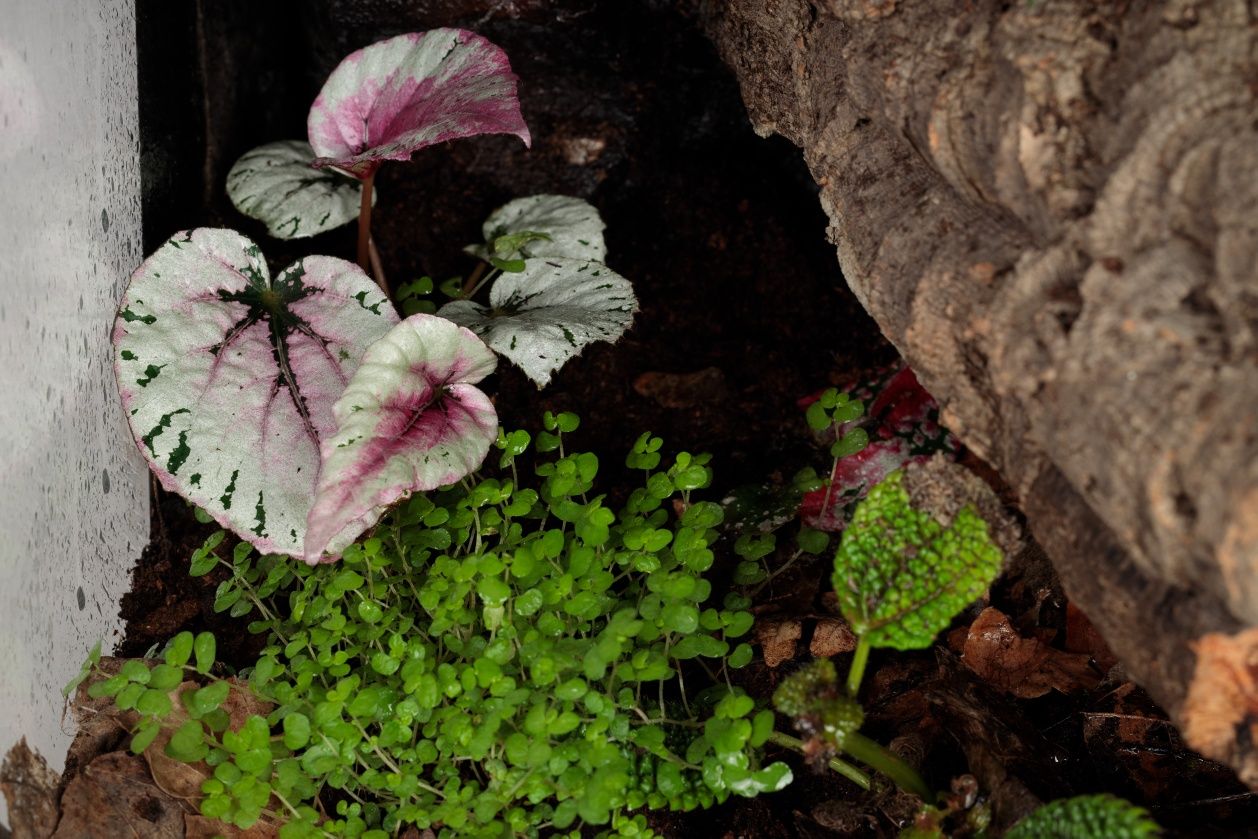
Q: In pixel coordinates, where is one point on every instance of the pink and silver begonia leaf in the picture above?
(393, 98)
(573, 227)
(228, 376)
(543, 316)
(410, 420)
(277, 185)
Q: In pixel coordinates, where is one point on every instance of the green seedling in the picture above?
(901, 577)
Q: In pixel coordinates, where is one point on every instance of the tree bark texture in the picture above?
(1051, 208)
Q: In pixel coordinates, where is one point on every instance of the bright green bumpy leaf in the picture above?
(901, 576)
(812, 696)
(1086, 817)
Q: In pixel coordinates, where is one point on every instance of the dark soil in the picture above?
(723, 237)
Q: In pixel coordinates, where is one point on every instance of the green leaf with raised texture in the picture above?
(901, 576)
(1087, 817)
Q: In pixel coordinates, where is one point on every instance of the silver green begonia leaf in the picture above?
(276, 185)
(228, 376)
(546, 314)
(574, 227)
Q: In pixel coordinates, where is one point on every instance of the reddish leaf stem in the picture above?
(469, 287)
(364, 225)
(377, 267)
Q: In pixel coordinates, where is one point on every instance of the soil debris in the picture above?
(683, 390)
(1024, 667)
(830, 638)
(777, 639)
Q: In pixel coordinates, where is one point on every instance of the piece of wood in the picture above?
(1050, 209)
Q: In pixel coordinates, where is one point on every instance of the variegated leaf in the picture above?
(395, 97)
(410, 420)
(546, 314)
(573, 226)
(228, 376)
(276, 185)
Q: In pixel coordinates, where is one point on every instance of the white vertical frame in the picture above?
(74, 510)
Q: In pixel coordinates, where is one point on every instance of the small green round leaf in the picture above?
(187, 743)
(153, 703)
(204, 648)
(817, 416)
(370, 611)
(296, 730)
(851, 443)
(145, 733)
(179, 650)
(812, 541)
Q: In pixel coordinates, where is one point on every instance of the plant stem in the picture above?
(834, 471)
(377, 267)
(784, 566)
(484, 279)
(364, 224)
(872, 754)
(857, 671)
(844, 768)
(470, 285)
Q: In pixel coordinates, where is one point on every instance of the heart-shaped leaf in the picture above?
(547, 313)
(228, 377)
(276, 185)
(391, 99)
(572, 228)
(901, 576)
(410, 420)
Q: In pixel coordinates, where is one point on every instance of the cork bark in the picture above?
(1051, 208)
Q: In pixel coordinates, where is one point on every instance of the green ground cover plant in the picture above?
(513, 656)
(495, 660)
